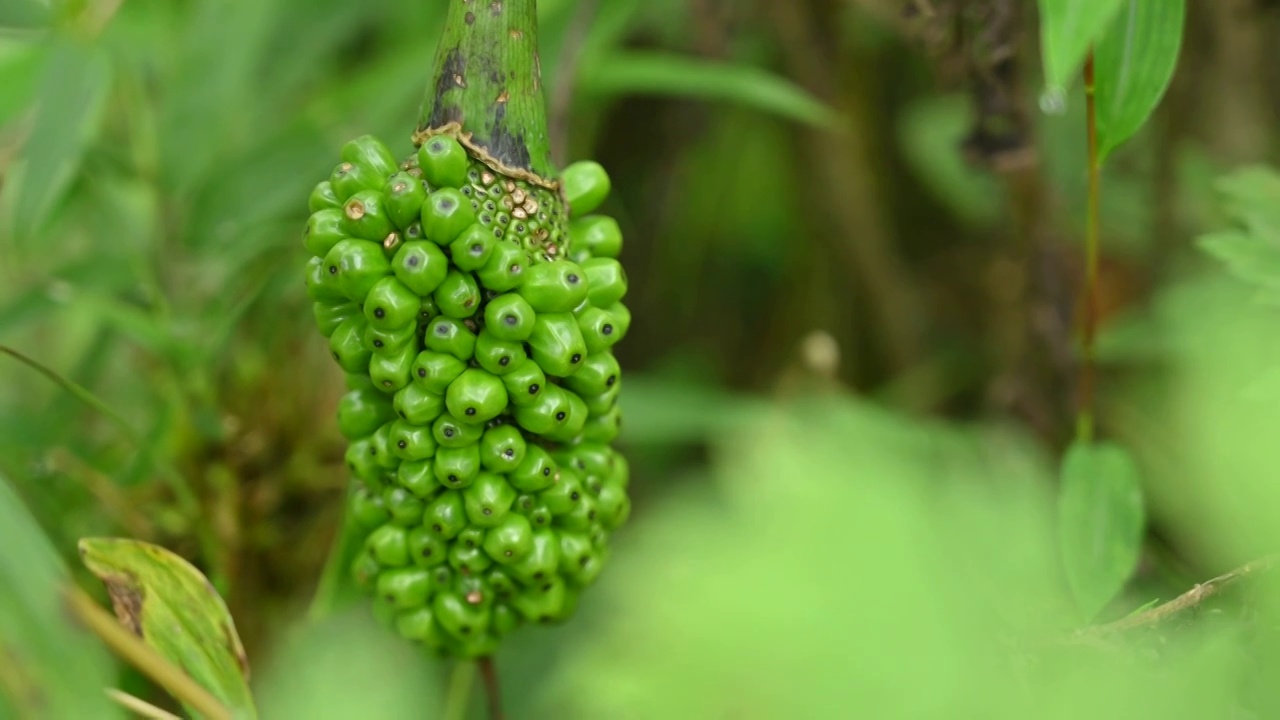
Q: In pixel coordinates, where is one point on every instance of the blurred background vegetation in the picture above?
(853, 199)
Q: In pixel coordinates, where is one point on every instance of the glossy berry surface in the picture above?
(475, 317)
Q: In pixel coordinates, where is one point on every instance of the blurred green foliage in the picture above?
(779, 168)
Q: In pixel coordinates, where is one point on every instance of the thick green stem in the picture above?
(488, 84)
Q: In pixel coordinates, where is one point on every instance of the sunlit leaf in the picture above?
(1067, 29)
(1101, 521)
(172, 606)
(1134, 62)
(659, 73)
(48, 667)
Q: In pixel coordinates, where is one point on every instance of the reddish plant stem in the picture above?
(1088, 368)
(492, 691)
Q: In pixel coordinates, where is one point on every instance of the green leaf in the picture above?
(1245, 256)
(1067, 29)
(1133, 64)
(70, 103)
(1251, 196)
(660, 73)
(48, 667)
(174, 608)
(1101, 521)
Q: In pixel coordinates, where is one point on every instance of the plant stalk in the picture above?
(1088, 367)
(487, 86)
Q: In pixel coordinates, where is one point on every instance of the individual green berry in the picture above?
(568, 427)
(358, 265)
(418, 405)
(543, 559)
(388, 342)
(361, 412)
(505, 268)
(509, 318)
(411, 442)
(458, 617)
(622, 318)
(472, 248)
(418, 476)
(388, 546)
(603, 428)
(449, 335)
(405, 195)
(470, 538)
(612, 505)
(329, 315)
(436, 371)
(597, 374)
(469, 560)
(502, 449)
(498, 357)
(323, 231)
(598, 235)
(581, 515)
(444, 162)
(588, 569)
(445, 214)
(391, 371)
(458, 295)
(607, 281)
(604, 402)
(525, 384)
(445, 516)
(505, 619)
(405, 507)
(364, 216)
(368, 508)
(380, 448)
(536, 472)
(599, 329)
(370, 152)
(421, 266)
(404, 588)
(554, 287)
(427, 311)
(488, 499)
(593, 458)
(347, 345)
(348, 179)
(419, 625)
(391, 304)
(576, 551)
(586, 185)
(457, 467)
(500, 583)
(361, 460)
(426, 549)
(476, 396)
(450, 431)
(557, 345)
(544, 602)
(563, 494)
(510, 540)
(323, 197)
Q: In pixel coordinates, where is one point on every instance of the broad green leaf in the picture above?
(1133, 64)
(172, 606)
(70, 103)
(1101, 521)
(660, 73)
(48, 667)
(1067, 29)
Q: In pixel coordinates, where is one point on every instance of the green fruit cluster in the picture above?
(474, 321)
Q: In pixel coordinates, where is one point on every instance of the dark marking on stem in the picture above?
(471, 18)
(495, 7)
(455, 65)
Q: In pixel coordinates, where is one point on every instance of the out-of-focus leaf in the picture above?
(348, 666)
(1134, 62)
(20, 65)
(658, 411)
(48, 668)
(70, 103)
(172, 606)
(1247, 257)
(660, 73)
(1251, 196)
(25, 14)
(1101, 520)
(931, 132)
(1067, 29)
